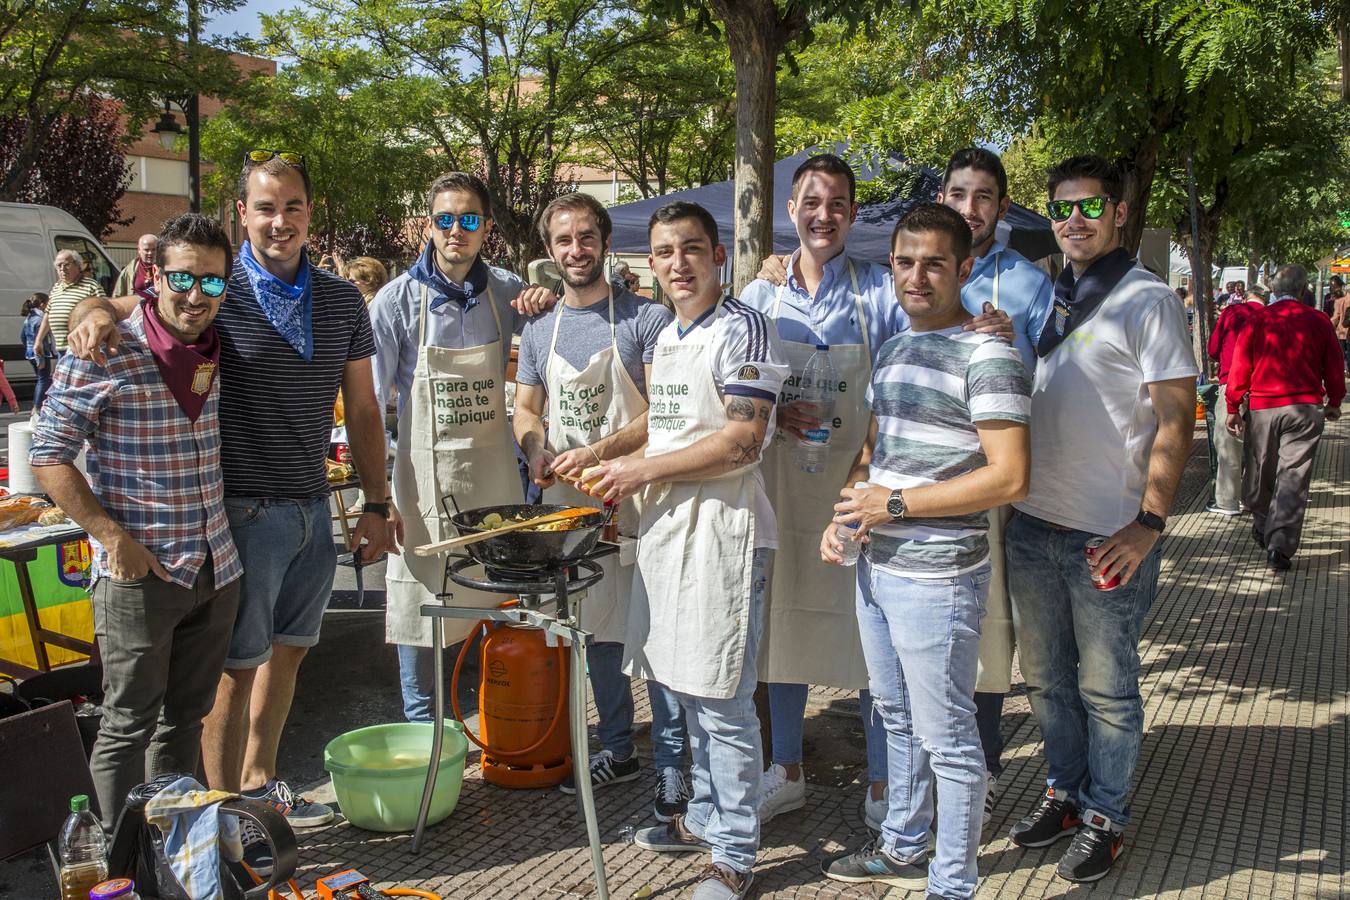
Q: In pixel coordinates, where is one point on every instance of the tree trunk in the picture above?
(1138, 189)
(756, 35)
(1343, 36)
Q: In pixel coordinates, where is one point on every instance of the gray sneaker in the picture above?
(672, 837)
(300, 812)
(872, 863)
(718, 882)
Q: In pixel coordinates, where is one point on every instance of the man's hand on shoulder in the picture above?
(94, 327)
(773, 270)
(992, 321)
(533, 300)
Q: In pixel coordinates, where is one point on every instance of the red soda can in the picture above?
(342, 453)
(1099, 582)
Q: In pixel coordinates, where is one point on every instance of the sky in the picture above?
(244, 20)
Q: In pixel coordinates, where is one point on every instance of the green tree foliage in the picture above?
(368, 166)
(64, 57)
(898, 88)
(81, 168)
(509, 83)
(664, 115)
(758, 34)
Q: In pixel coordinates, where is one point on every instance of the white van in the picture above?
(30, 236)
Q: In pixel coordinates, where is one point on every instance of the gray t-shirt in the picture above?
(585, 332)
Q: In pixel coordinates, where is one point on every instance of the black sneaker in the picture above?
(873, 864)
(672, 794)
(1052, 819)
(605, 770)
(257, 853)
(1094, 849)
(1278, 561)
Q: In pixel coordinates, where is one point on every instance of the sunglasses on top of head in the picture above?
(182, 282)
(467, 221)
(289, 157)
(1090, 207)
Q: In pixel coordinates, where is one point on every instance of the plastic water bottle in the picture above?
(818, 389)
(846, 531)
(84, 851)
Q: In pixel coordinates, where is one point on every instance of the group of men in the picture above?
(1006, 447)
(1281, 371)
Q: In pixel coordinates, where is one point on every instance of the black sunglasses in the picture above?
(182, 282)
(289, 157)
(1090, 207)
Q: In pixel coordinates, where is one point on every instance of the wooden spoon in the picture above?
(454, 543)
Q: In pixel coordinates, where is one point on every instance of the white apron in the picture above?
(583, 407)
(996, 628)
(454, 438)
(690, 615)
(811, 629)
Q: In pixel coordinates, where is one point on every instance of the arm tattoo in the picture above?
(739, 409)
(745, 454)
(765, 412)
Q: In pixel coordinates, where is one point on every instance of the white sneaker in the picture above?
(779, 795)
(990, 797)
(874, 811)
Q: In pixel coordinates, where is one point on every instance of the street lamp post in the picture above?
(168, 128)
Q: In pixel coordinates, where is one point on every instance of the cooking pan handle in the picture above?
(453, 502)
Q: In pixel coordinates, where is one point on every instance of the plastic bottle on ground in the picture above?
(817, 395)
(83, 850)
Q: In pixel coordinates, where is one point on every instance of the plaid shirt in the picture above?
(155, 472)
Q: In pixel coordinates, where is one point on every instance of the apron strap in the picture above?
(422, 319)
(861, 310)
(557, 325)
(998, 257)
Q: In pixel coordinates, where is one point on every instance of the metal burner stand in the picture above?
(558, 623)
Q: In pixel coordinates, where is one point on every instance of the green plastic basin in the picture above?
(378, 773)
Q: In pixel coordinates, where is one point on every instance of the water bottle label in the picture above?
(817, 436)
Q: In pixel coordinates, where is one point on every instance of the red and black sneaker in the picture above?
(1053, 818)
(1094, 849)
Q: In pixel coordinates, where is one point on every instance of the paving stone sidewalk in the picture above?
(1241, 785)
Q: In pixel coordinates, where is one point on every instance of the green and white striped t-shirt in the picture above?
(928, 390)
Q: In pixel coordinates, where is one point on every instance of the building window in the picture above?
(158, 176)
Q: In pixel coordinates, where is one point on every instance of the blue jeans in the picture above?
(989, 719)
(613, 697)
(921, 640)
(787, 713)
(42, 379)
(289, 560)
(669, 736)
(1079, 649)
(417, 679)
(727, 755)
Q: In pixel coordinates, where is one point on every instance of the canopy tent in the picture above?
(870, 237)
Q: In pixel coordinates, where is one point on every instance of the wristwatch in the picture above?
(381, 508)
(1149, 520)
(895, 506)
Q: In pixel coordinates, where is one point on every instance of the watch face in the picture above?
(895, 506)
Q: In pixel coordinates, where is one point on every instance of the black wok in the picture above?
(527, 549)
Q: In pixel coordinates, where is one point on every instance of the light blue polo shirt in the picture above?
(1025, 293)
(831, 316)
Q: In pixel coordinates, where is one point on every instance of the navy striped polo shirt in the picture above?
(276, 409)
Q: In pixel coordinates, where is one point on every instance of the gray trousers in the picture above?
(1227, 458)
(163, 652)
(1283, 442)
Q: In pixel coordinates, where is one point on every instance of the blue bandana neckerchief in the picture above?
(1077, 299)
(288, 307)
(426, 271)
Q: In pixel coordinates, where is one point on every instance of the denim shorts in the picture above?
(289, 560)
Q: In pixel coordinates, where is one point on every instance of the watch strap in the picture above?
(381, 508)
(1151, 520)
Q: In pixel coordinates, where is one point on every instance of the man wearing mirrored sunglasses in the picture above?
(443, 340)
(1112, 414)
(166, 570)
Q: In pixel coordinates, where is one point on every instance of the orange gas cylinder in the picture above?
(522, 708)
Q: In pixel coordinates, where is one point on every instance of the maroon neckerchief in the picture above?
(188, 370)
(144, 279)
